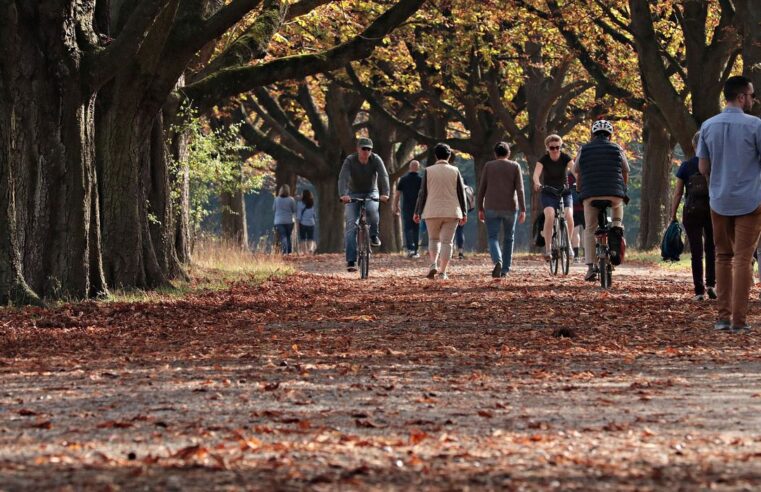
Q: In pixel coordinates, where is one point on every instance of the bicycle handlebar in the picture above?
(361, 200)
(557, 192)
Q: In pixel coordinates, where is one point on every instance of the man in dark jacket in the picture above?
(602, 172)
(407, 191)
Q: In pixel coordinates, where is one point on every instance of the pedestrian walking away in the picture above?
(729, 152)
(363, 175)
(307, 220)
(442, 203)
(501, 201)
(696, 219)
(285, 211)
(407, 190)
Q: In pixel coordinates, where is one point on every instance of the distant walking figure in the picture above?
(285, 209)
(696, 218)
(407, 191)
(501, 201)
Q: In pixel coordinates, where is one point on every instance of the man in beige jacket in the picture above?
(442, 204)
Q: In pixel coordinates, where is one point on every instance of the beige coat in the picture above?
(443, 193)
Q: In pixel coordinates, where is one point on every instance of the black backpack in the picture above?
(697, 200)
(538, 227)
(672, 245)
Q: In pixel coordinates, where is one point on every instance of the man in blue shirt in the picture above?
(407, 190)
(729, 150)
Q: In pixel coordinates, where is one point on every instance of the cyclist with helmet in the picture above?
(602, 172)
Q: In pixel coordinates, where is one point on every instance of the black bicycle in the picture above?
(602, 246)
(560, 246)
(363, 236)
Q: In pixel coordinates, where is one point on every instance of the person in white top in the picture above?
(441, 202)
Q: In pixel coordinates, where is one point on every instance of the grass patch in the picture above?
(216, 264)
(652, 257)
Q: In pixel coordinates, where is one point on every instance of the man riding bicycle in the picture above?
(552, 170)
(362, 173)
(602, 172)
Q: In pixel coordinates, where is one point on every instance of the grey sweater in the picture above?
(356, 177)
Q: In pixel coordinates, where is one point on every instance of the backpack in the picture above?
(470, 198)
(697, 200)
(617, 243)
(538, 227)
(672, 245)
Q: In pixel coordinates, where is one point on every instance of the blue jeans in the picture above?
(351, 213)
(494, 220)
(459, 237)
(284, 231)
(411, 231)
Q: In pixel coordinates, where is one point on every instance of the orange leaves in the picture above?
(417, 436)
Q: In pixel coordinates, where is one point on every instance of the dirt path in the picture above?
(321, 381)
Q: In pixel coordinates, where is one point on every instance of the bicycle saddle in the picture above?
(601, 203)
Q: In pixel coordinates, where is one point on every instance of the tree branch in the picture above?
(102, 65)
(280, 153)
(219, 86)
(404, 128)
(252, 44)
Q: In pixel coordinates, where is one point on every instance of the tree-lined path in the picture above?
(321, 381)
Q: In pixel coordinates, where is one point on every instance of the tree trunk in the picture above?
(750, 12)
(234, 218)
(157, 181)
(180, 179)
(330, 215)
(656, 168)
(46, 157)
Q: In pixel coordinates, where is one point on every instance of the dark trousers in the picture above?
(459, 237)
(411, 231)
(700, 236)
(285, 230)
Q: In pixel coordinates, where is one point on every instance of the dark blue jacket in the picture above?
(601, 165)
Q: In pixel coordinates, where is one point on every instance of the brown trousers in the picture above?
(736, 238)
(590, 217)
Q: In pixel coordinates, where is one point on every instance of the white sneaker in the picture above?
(699, 297)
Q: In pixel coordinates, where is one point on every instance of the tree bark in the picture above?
(656, 169)
(330, 215)
(750, 13)
(234, 218)
(46, 112)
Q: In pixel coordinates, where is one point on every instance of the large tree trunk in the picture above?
(46, 157)
(330, 215)
(750, 12)
(233, 218)
(656, 169)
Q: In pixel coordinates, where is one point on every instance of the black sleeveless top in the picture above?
(554, 172)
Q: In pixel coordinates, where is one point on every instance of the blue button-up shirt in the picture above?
(731, 140)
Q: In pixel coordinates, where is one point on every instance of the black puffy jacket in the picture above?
(601, 169)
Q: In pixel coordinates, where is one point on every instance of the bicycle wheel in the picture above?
(565, 257)
(363, 251)
(605, 276)
(554, 253)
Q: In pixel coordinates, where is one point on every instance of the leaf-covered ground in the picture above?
(321, 381)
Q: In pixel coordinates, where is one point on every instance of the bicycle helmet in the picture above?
(602, 126)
